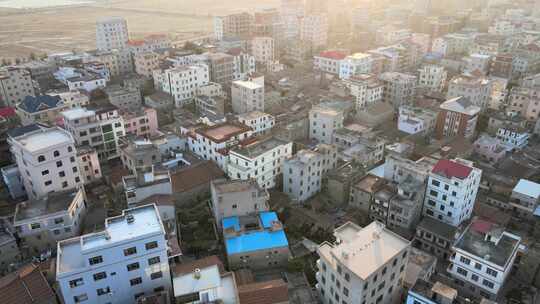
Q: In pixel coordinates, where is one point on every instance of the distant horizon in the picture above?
(22, 4)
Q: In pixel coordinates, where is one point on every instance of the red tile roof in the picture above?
(269, 292)
(7, 112)
(481, 226)
(26, 285)
(195, 176)
(333, 55)
(451, 169)
(184, 268)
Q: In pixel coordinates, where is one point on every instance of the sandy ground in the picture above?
(73, 28)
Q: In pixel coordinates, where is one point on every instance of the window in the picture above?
(44, 172)
(47, 183)
(59, 164)
(478, 266)
(102, 291)
(347, 277)
(465, 260)
(64, 184)
(95, 260)
(135, 281)
(153, 260)
(488, 284)
(56, 153)
(474, 277)
(435, 183)
(234, 206)
(80, 298)
(41, 158)
(462, 271)
(132, 266)
(492, 272)
(130, 251)
(61, 173)
(74, 169)
(345, 291)
(76, 282)
(58, 220)
(433, 193)
(151, 245)
(35, 226)
(100, 276)
(156, 275)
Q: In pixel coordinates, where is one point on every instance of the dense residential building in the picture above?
(359, 145)
(15, 85)
(451, 191)
(355, 64)
(145, 63)
(182, 82)
(111, 33)
(399, 88)
(142, 122)
(303, 172)
(425, 292)
(451, 44)
(261, 160)
(99, 129)
(476, 89)
(117, 61)
(364, 263)
(244, 63)
(25, 285)
(221, 67)
(261, 123)
(432, 77)
(255, 241)
(89, 167)
(513, 138)
(149, 43)
(457, 117)
(366, 88)
(44, 109)
(483, 257)
(139, 155)
(247, 96)
(263, 49)
(127, 99)
(128, 259)
(328, 62)
(324, 119)
(525, 198)
(47, 161)
(525, 102)
(416, 120)
(233, 25)
(314, 30)
(435, 237)
(144, 184)
(489, 148)
(11, 176)
(237, 198)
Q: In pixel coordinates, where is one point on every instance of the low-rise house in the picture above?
(27, 285)
(237, 198)
(425, 292)
(378, 211)
(483, 258)
(513, 139)
(525, 198)
(142, 185)
(139, 155)
(39, 224)
(260, 122)
(405, 208)
(416, 120)
(365, 148)
(489, 149)
(193, 182)
(435, 237)
(159, 101)
(127, 99)
(421, 267)
(363, 191)
(255, 241)
(44, 109)
(338, 182)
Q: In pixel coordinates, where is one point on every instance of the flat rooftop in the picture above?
(370, 183)
(252, 115)
(226, 186)
(78, 113)
(55, 202)
(259, 147)
(223, 132)
(146, 222)
(528, 188)
(366, 250)
(44, 138)
(251, 85)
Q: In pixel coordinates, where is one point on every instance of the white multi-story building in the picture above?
(355, 64)
(261, 160)
(513, 138)
(477, 89)
(399, 88)
(41, 223)
(365, 264)
(120, 264)
(237, 198)
(450, 44)
(74, 99)
(476, 63)
(314, 30)
(263, 49)
(432, 77)
(483, 258)
(182, 82)
(117, 61)
(47, 160)
(86, 81)
(148, 44)
(15, 85)
(323, 121)
(212, 142)
(366, 88)
(414, 120)
(145, 63)
(259, 122)
(143, 185)
(451, 191)
(503, 28)
(124, 98)
(111, 33)
(99, 129)
(303, 173)
(244, 64)
(247, 96)
(328, 62)
(391, 34)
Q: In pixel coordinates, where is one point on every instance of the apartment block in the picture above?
(255, 241)
(435, 237)
(303, 172)
(40, 223)
(451, 191)
(247, 96)
(111, 33)
(124, 262)
(145, 63)
(399, 88)
(263, 49)
(237, 198)
(355, 64)
(366, 88)
(364, 264)
(15, 85)
(525, 101)
(324, 119)
(99, 129)
(417, 120)
(261, 123)
(233, 25)
(126, 99)
(314, 30)
(328, 62)
(244, 63)
(478, 90)
(513, 138)
(142, 122)
(89, 167)
(525, 198)
(182, 82)
(457, 117)
(432, 77)
(261, 160)
(221, 68)
(47, 160)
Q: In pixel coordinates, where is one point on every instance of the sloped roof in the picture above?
(181, 269)
(269, 292)
(27, 285)
(7, 112)
(195, 175)
(451, 169)
(39, 103)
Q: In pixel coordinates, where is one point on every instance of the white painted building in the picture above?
(399, 88)
(244, 65)
(450, 44)
(483, 258)
(391, 34)
(432, 77)
(125, 261)
(111, 33)
(414, 120)
(477, 63)
(323, 121)
(261, 160)
(143, 185)
(366, 88)
(15, 85)
(328, 62)
(247, 96)
(477, 89)
(182, 82)
(303, 172)
(314, 30)
(74, 99)
(263, 49)
(260, 122)
(355, 64)
(451, 191)
(364, 264)
(47, 159)
(512, 138)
